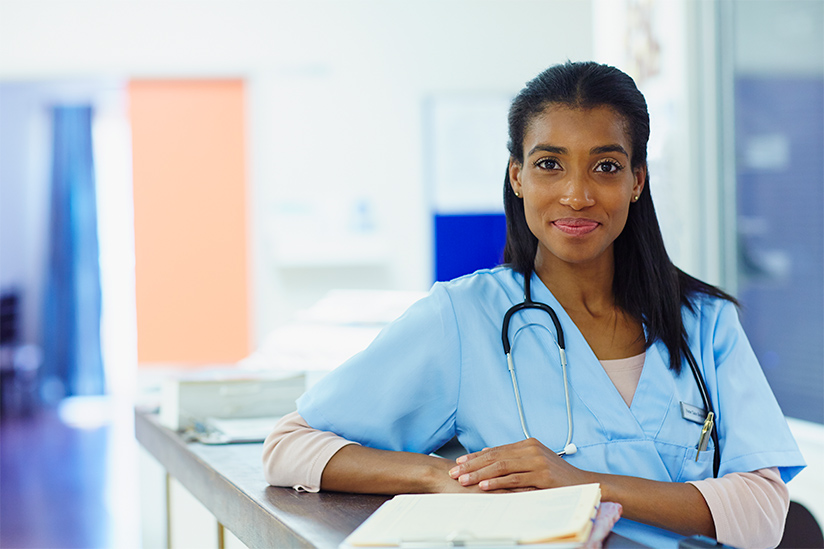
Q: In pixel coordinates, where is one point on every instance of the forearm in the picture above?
(675, 506)
(367, 470)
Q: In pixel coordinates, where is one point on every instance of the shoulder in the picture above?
(493, 279)
(450, 303)
(482, 286)
(715, 322)
(707, 309)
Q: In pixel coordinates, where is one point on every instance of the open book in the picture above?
(558, 515)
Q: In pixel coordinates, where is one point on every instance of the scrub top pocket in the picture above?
(681, 464)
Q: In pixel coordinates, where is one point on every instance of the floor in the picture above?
(58, 480)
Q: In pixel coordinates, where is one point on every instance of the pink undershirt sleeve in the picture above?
(294, 454)
(749, 509)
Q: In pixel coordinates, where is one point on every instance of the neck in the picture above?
(585, 293)
(579, 287)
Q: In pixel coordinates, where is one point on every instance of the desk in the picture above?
(228, 480)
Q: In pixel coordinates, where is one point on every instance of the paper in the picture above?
(232, 393)
(561, 515)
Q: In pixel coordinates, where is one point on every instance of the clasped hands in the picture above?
(524, 465)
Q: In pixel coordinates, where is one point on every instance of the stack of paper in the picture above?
(190, 399)
(561, 516)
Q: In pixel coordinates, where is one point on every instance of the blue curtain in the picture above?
(72, 360)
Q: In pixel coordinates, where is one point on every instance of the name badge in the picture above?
(693, 413)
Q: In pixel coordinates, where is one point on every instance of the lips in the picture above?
(575, 226)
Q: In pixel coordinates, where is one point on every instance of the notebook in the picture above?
(555, 517)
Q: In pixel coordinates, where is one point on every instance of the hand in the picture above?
(440, 482)
(443, 483)
(525, 465)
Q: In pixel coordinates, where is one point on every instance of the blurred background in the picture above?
(179, 178)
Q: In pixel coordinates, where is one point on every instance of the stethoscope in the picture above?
(569, 447)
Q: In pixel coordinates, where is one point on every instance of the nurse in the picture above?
(582, 230)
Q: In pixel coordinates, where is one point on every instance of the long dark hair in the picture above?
(647, 285)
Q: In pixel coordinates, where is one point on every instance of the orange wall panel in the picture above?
(190, 215)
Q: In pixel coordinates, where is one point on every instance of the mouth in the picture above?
(575, 226)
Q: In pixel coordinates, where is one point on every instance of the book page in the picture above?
(539, 516)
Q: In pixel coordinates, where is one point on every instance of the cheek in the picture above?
(620, 220)
(533, 219)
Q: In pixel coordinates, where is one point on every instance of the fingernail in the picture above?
(454, 472)
(461, 459)
(464, 479)
(484, 484)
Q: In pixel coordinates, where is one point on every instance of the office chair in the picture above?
(801, 529)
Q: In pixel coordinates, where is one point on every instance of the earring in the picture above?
(517, 194)
(636, 198)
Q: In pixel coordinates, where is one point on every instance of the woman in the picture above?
(583, 238)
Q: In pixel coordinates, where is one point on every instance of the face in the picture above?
(576, 183)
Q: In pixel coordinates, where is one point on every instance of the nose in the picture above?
(577, 193)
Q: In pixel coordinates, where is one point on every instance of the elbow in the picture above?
(777, 520)
(771, 523)
(763, 526)
(281, 450)
(271, 456)
(293, 454)
(768, 531)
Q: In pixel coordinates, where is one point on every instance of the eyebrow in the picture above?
(615, 148)
(609, 149)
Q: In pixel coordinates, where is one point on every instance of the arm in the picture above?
(675, 506)
(298, 456)
(370, 471)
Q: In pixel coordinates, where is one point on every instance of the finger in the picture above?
(516, 482)
(494, 469)
(477, 460)
(473, 455)
(472, 462)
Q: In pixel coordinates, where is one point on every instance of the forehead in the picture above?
(564, 126)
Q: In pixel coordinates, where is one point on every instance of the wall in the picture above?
(335, 95)
(348, 130)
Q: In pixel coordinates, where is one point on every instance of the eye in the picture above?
(608, 166)
(547, 164)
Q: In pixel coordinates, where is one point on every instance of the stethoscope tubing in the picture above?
(569, 448)
(702, 388)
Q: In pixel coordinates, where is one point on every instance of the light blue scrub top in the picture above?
(440, 371)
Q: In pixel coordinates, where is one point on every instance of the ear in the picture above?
(515, 175)
(640, 174)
